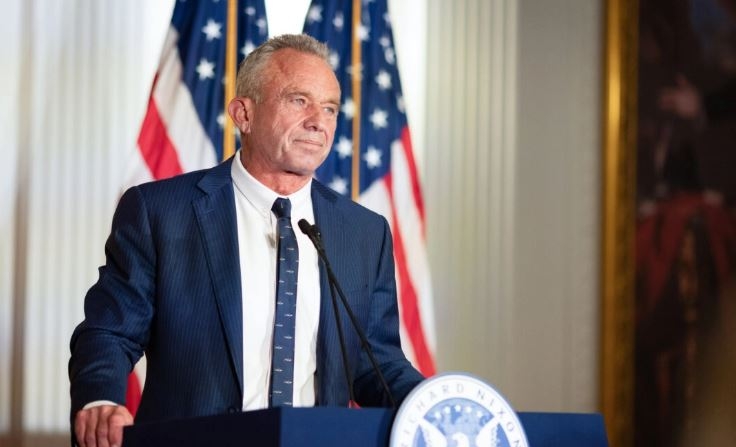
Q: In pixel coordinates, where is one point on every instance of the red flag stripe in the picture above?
(133, 394)
(408, 296)
(413, 177)
(158, 152)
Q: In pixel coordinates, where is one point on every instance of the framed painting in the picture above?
(669, 221)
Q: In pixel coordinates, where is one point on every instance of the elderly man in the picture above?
(206, 274)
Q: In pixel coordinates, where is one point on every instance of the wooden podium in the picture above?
(325, 427)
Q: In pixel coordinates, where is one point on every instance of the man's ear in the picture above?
(241, 111)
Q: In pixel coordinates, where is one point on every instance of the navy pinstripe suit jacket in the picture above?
(171, 286)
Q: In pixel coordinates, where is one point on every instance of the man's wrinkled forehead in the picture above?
(287, 67)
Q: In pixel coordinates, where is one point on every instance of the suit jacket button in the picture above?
(232, 410)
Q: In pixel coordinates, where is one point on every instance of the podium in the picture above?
(326, 426)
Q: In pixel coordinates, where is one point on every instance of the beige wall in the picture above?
(512, 186)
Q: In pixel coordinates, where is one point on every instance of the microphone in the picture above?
(314, 235)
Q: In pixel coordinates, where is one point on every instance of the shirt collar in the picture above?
(258, 194)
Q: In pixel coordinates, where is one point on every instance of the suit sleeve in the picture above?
(383, 334)
(118, 309)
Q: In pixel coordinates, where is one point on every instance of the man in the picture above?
(191, 271)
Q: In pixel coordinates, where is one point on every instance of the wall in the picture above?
(512, 186)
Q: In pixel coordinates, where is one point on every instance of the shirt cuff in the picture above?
(99, 403)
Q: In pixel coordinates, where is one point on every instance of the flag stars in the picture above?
(250, 11)
(212, 30)
(348, 108)
(339, 185)
(221, 120)
(387, 19)
(344, 148)
(334, 59)
(247, 48)
(261, 24)
(314, 14)
(205, 69)
(338, 21)
(353, 71)
(379, 118)
(390, 55)
(383, 79)
(372, 157)
(400, 103)
(364, 33)
(384, 41)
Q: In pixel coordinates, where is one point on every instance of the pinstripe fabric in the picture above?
(171, 284)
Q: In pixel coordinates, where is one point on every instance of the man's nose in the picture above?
(317, 119)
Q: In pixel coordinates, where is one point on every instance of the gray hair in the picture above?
(250, 73)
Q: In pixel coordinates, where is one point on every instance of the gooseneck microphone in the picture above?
(313, 234)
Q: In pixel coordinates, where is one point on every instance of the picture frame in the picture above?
(617, 219)
(668, 245)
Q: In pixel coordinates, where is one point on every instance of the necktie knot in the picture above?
(282, 208)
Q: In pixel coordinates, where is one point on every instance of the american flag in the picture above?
(183, 127)
(183, 131)
(388, 178)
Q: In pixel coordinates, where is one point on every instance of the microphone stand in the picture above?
(313, 233)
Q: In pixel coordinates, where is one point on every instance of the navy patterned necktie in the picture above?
(287, 267)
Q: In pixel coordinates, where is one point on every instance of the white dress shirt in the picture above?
(257, 240)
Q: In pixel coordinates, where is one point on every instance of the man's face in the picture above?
(293, 126)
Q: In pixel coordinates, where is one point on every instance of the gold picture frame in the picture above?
(618, 217)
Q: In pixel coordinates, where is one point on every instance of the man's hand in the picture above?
(101, 426)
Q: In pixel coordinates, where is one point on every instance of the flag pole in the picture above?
(356, 80)
(231, 52)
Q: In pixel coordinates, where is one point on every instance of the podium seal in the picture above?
(456, 409)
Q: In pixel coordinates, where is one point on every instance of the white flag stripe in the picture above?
(410, 224)
(377, 199)
(137, 170)
(406, 345)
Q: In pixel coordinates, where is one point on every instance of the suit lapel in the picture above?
(217, 221)
(331, 386)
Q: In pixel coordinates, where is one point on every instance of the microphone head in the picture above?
(305, 227)
(313, 233)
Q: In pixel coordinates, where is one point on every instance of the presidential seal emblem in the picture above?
(456, 410)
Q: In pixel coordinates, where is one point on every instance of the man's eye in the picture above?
(332, 111)
(299, 101)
